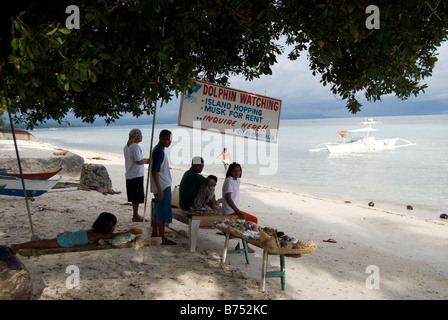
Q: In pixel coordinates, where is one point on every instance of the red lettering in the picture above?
(218, 120)
(243, 98)
(204, 90)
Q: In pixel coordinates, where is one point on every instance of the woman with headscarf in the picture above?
(135, 172)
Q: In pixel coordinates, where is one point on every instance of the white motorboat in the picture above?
(364, 144)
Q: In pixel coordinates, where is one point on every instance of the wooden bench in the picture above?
(194, 222)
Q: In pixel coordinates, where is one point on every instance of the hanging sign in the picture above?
(230, 111)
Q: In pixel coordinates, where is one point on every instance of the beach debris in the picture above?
(444, 216)
(61, 153)
(371, 204)
(330, 240)
(98, 158)
(347, 201)
(409, 207)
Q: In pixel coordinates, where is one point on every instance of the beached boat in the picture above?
(367, 143)
(34, 188)
(20, 134)
(31, 175)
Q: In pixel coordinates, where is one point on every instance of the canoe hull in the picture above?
(34, 188)
(33, 175)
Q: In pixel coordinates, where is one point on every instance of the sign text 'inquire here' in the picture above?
(230, 111)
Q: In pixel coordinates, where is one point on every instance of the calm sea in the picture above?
(394, 179)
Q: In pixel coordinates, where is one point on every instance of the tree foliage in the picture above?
(128, 54)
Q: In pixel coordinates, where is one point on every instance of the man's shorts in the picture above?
(135, 190)
(162, 211)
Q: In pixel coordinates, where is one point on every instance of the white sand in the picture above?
(409, 254)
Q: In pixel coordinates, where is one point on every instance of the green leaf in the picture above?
(76, 85)
(30, 65)
(83, 73)
(64, 30)
(17, 26)
(36, 82)
(105, 56)
(354, 30)
(30, 52)
(55, 43)
(52, 31)
(92, 77)
(15, 43)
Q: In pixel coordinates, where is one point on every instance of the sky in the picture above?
(303, 96)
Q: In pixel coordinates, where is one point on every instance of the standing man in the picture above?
(135, 172)
(226, 159)
(160, 179)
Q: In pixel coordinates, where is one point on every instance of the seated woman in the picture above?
(231, 195)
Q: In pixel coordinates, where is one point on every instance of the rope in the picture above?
(33, 236)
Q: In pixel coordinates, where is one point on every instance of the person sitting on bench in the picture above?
(190, 187)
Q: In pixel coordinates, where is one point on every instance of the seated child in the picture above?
(205, 200)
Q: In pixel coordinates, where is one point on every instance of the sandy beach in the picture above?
(378, 254)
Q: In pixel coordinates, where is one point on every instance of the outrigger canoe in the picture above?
(31, 175)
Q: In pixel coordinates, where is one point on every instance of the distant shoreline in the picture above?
(73, 123)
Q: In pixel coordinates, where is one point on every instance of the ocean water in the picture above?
(415, 175)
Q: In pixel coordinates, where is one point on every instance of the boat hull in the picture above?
(32, 175)
(34, 188)
(362, 145)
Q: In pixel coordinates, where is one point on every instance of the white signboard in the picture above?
(230, 111)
